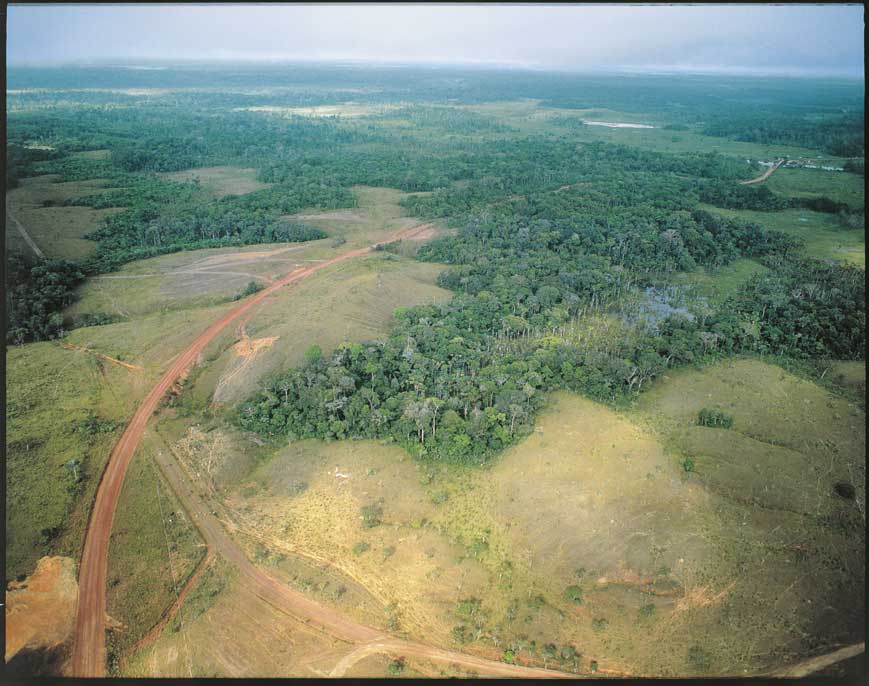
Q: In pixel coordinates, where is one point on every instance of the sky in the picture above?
(762, 39)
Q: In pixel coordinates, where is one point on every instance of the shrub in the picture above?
(251, 288)
(396, 667)
(688, 464)
(599, 624)
(468, 607)
(698, 658)
(714, 418)
(371, 515)
(360, 548)
(573, 594)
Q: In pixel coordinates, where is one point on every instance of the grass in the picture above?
(719, 284)
(529, 117)
(813, 183)
(221, 181)
(152, 551)
(607, 494)
(51, 392)
(352, 301)
(55, 229)
(822, 234)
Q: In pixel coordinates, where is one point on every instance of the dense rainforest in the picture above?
(562, 250)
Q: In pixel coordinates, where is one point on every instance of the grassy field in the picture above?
(822, 234)
(203, 278)
(220, 181)
(153, 550)
(717, 285)
(529, 117)
(353, 301)
(591, 532)
(55, 229)
(69, 404)
(813, 183)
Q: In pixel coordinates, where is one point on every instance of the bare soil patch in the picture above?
(40, 610)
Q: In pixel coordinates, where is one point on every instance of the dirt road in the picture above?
(24, 234)
(765, 175)
(299, 606)
(89, 651)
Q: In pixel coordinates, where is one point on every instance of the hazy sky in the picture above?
(765, 38)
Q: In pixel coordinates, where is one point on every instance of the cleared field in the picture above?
(717, 285)
(814, 183)
(590, 533)
(353, 301)
(56, 230)
(347, 109)
(153, 550)
(822, 234)
(202, 278)
(377, 216)
(529, 117)
(68, 404)
(220, 181)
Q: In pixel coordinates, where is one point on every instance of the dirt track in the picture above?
(89, 650)
(765, 175)
(24, 234)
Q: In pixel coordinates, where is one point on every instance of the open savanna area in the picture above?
(590, 535)
(433, 372)
(220, 181)
(37, 208)
(819, 183)
(66, 404)
(822, 234)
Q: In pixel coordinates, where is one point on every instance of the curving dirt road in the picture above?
(765, 175)
(89, 650)
(299, 606)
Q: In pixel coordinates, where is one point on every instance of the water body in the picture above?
(618, 125)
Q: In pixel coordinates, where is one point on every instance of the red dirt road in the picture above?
(300, 607)
(89, 651)
(765, 175)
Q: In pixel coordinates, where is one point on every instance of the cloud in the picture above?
(735, 37)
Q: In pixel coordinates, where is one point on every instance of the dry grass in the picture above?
(220, 181)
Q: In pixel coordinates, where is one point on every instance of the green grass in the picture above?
(812, 183)
(221, 181)
(55, 229)
(530, 118)
(352, 301)
(51, 392)
(822, 234)
(152, 551)
(717, 285)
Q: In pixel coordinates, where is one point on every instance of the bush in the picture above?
(396, 667)
(573, 594)
(698, 658)
(599, 624)
(371, 515)
(714, 418)
(360, 548)
(251, 288)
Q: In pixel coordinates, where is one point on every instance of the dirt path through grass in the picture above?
(23, 232)
(765, 175)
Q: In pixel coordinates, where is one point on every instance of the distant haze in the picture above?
(762, 39)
